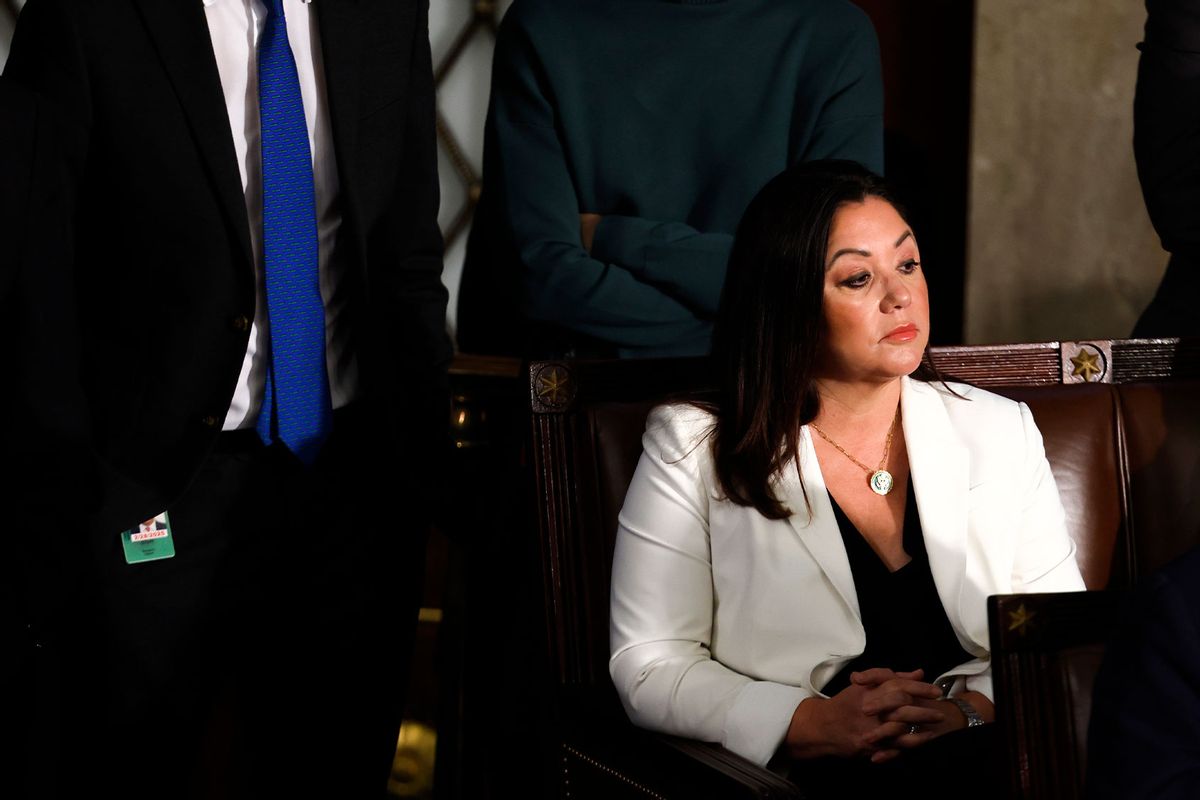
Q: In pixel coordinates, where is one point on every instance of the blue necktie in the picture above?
(296, 407)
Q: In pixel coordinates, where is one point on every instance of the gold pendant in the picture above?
(880, 481)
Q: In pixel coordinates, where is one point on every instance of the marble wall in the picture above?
(1059, 243)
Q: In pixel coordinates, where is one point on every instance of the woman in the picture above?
(803, 562)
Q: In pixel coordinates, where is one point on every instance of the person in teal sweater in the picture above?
(624, 140)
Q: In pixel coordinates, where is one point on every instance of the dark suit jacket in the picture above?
(45, 433)
(43, 441)
(1166, 141)
(159, 222)
(1144, 740)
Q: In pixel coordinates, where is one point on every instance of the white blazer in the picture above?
(723, 621)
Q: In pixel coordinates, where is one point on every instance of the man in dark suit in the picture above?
(1144, 740)
(263, 176)
(1166, 141)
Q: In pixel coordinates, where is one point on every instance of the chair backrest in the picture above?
(1161, 438)
(1156, 389)
(1046, 650)
(588, 417)
(1081, 432)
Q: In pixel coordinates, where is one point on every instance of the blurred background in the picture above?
(1009, 130)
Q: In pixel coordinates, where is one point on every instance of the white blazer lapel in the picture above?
(818, 531)
(939, 465)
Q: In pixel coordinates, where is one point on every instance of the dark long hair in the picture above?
(771, 323)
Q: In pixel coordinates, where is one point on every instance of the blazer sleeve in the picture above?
(47, 56)
(1044, 559)
(1044, 553)
(55, 440)
(662, 606)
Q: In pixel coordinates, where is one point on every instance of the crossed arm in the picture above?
(625, 279)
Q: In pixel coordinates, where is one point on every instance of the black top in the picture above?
(902, 615)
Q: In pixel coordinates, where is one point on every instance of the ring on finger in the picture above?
(914, 729)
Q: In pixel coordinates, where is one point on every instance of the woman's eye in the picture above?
(857, 281)
(910, 266)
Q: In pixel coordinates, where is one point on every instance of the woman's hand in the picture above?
(865, 715)
(899, 701)
(897, 717)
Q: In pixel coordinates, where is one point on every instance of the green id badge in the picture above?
(149, 540)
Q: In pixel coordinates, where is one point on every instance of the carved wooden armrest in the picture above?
(606, 758)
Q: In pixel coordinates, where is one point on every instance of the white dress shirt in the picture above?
(234, 27)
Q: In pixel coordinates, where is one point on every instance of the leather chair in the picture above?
(1118, 476)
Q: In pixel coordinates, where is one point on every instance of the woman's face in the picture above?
(876, 301)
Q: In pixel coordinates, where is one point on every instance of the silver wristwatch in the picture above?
(968, 710)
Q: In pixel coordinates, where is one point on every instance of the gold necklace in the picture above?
(879, 479)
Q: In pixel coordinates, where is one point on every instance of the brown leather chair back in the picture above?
(1162, 441)
(588, 419)
(1081, 431)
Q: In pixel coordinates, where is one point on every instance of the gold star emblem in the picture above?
(1087, 365)
(1019, 620)
(552, 386)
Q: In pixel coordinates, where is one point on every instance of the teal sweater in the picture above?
(666, 118)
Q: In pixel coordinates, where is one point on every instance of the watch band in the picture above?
(968, 710)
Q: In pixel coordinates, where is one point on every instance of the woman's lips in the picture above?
(903, 333)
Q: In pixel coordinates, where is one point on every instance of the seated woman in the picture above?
(804, 558)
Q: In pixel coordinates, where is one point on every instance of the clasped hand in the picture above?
(871, 717)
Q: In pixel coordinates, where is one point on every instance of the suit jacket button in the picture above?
(210, 421)
(241, 323)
